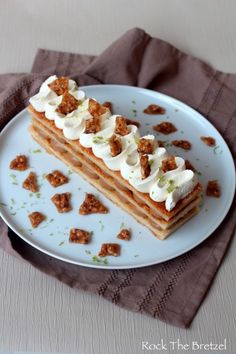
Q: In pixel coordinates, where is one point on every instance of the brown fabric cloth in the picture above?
(174, 290)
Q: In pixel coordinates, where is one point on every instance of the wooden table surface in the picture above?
(37, 312)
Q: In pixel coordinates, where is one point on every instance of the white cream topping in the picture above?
(173, 187)
(46, 94)
(167, 187)
(107, 124)
(101, 148)
(131, 168)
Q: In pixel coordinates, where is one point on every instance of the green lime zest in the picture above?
(37, 151)
(171, 186)
(150, 162)
(96, 259)
(101, 225)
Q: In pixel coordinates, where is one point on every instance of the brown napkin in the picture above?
(171, 291)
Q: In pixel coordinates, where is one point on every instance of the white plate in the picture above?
(144, 249)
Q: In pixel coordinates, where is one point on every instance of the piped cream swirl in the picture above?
(168, 187)
(173, 187)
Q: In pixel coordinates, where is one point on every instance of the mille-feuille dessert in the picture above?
(105, 149)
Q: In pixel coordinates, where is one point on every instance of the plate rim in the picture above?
(109, 267)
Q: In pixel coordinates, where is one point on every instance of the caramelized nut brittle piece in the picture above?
(183, 144)
(189, 166)
(115, 145)
(62, 202)
(79, 236)
(145, 146)
(124, 234)
(145, 166)
(95, 109)
(165, 128)
(160, 143)
(109, 249)
(68, 104)
(108, 105)
(92, 125)
(168, 164)
(30, 183)
(154, 109)
(132, 122)
(208, 140)
(60, 85)
(36, 218)
(213, 189)
(92, 205)
(20, 163)
(121, 126)
(56, 178)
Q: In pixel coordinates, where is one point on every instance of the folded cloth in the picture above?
(171, 291)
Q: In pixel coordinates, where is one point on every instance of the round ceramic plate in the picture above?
(143, 249)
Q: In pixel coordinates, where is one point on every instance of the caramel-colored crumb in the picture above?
(95, 109)
(161, 143)
(109, 249)
(56, 178)
(30, 183)
(68, 104)
(132, 122)
(92, 125)
(60, 85)
(208, 140)
(79, 236)
(124, 234)
(145, 166)
(145, 146)
(154, 109)
(121, 126)
(189, 166)
(108, 105)
(169, 164)
(36, 218)
(115, 145)
(165, 128)
(213, 189)
(183, 144)
(92, 205)
(62, 202)
(20, 163)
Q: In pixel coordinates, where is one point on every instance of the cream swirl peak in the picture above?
(131, 168)
(166, 178)
(46, 94)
